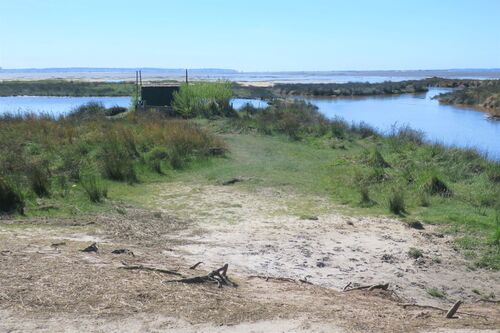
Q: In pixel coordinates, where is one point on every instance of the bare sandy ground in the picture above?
(48, 285)
(258, 233)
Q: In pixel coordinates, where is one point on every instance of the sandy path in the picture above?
(258, 232)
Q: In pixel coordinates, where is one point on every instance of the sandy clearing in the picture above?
(258, 233)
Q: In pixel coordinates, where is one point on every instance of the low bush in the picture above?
(377, 160)
(397, 204)
(39, 151)
(436, 293)
(39, 178)
(10, 199)
(205, 99)
(493, 172)
(436, 186)
(415, 253)
(94, 188)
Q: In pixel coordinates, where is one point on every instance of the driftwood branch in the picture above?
(346, 286)
(488, 301)
(451, 312)
(383, 286)
(278, 278)
(196, 265)
(405, 305)
(218, 276)
(151, 269)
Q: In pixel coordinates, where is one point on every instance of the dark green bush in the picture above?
(39, 178)
(493, 172)
(94, 188)
(436, 186)
(377, 160)
(397, 203)
(10, 199)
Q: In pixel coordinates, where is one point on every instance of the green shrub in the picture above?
(339, 128)
(397, 203)
(436, 186)
(10, 199)
(89, 110)
(207, 99)
(365, 201)
(94, 188)
(118, 166)
(424, 199)
(155, 157)
(436, 293)
(117, 158)
(364, 130)
(415, 253)
(377, 160)
(39, 178)
(405, 135)
(493, 172)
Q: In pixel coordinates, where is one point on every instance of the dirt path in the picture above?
(48, 285)
(259, 233)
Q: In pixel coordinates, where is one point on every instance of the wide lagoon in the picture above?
(447, 124)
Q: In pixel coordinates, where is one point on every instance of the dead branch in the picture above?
(346, 286)
(196, 265)
(405, 305)
(151, 269)
(384, 286)
(91, 248)
(218, 276)
(488, 301)
(279, 278)
(453, 309)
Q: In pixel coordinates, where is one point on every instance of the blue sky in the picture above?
(256, 35)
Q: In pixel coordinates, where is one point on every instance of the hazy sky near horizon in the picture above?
(257, 35)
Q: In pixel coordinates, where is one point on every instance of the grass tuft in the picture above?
(415, 253)
(436, 186)
(95, 189)
(397, 204)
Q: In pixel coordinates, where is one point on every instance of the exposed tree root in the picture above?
(277, 278)
(196, 265)
(218, 276)
(405, 305)
(384, 286)
(151, 269)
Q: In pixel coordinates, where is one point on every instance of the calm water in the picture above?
(238, 103)
(450, 125)
(55, 106)
(447, 124)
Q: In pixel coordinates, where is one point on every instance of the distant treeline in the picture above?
(351, 88)
(65, 88)
(355, 88)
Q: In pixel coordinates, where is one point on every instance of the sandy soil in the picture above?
(257, 233)
(48, 285)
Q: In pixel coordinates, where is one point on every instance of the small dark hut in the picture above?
(158, 95)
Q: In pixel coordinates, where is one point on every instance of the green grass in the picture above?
(415, 253)
(436, 293)
(312, 167)
(65, 88)
(290, 147)
(53, 166)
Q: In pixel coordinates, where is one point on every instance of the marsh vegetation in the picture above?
(90, 155)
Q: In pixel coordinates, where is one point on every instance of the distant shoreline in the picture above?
(157, 74)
